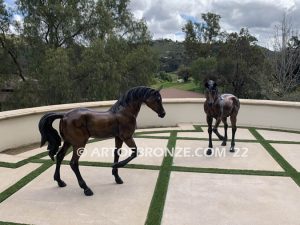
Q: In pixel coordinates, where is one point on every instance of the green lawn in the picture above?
(188, 86)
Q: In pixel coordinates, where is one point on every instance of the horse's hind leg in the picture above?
(224, 120)
(118, 143)
(215, 129)
(75, 167)
(59, 158)
(233, 124)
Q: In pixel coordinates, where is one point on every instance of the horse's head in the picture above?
(211, 92)
(154, 102)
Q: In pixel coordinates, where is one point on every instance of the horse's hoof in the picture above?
(209, 152)
(118, 180)
(232, 150)
(223, 144)
(88, 192)
(61, 183)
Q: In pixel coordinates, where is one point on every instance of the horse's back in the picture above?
(231, 98)
(230, 104)
(93, 123)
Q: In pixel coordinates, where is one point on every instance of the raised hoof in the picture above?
(223, 144)
(88, 192)
(61, 183)
(119, 180)
(208, 152)
(232, 149)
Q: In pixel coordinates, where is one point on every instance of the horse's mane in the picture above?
(134, 94)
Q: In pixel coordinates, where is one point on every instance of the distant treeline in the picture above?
(72, 51)
(234, 60)
(86, 50)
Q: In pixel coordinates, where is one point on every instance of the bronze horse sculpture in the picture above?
(78, 125)
(220, 107)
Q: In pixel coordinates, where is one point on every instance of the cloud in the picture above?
(165, 18)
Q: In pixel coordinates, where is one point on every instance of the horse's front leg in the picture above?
(215, 129)
(131, 144)
(209, 121)
(118, 144)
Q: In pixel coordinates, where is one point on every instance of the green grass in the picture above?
(291, 171)
(10, 223)
(228, 171)
(188, 86)
(25, 180)
(23, 162)
(158, 200)
(104, 164)
(198, 128)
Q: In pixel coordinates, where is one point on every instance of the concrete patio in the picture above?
(258, 184)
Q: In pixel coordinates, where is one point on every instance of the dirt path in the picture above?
(176, 93)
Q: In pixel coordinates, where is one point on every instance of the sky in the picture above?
(165, 18)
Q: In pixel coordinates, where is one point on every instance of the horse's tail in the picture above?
(49, 134)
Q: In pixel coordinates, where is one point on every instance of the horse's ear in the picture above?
(159, 89)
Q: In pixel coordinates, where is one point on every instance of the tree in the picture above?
(240, 63)
(203, 69)
(82, 50)
(56, 23)
(200, 37)
(285, 60)
(7, 40)
(192, 39)
(55, 83)
(211, 28)
(114, 60)
(184, 73)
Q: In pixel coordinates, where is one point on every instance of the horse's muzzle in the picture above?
(162, 115)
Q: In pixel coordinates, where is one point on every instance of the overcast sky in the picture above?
(165, 18)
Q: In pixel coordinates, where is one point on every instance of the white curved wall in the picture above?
(19, 127)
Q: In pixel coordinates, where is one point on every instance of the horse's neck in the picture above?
(133, 108)
(217, 98)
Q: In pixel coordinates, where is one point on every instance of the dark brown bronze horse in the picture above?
(220, 107)
(78, 125)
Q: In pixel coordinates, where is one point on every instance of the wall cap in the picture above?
(65, 107)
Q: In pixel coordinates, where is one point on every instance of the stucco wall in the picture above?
(19, 127)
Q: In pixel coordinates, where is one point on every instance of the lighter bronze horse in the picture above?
(220, 107)
(78, 125)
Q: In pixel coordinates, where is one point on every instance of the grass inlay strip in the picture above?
(24, 161)
(107, 164)
(158, 200)
(25, 180)
(11, 223)
(291, 171)
(198, 128)
(229, 171)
